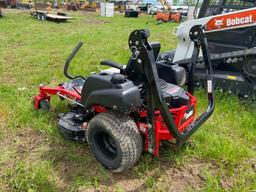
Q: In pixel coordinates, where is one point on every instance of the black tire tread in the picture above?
(128, 135)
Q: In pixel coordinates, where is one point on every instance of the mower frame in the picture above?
(154, 94)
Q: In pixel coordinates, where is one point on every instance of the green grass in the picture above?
(221, 156)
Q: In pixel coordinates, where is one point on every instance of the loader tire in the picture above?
(114, 140)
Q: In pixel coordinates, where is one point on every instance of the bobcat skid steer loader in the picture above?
(230, 27)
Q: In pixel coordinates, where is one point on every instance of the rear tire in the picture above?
(114, 140)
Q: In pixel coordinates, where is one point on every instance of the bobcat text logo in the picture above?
(239, 21)
(218, 22)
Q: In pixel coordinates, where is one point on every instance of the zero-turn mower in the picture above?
(120, 114)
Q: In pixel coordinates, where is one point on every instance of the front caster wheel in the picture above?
(44, 105)
(114, 140)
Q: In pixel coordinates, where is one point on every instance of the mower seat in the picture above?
(132, 71)
(143, 70)
(156, 46)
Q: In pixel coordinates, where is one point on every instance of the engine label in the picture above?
(189, 113)
(232, 20)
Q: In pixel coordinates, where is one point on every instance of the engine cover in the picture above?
(112, 91)
(175, 95)
(171, 72)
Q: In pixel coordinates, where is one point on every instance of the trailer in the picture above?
(44, 15)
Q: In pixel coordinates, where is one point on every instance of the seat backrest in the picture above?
(143, 54)
(132, 70)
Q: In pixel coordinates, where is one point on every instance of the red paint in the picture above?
(99, 109)
(45, 92)
(161, 131)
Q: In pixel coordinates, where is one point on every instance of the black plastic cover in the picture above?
(100, 90)
(156, 46)
(132, 71)
(71, 128)
(171, 73)
(118, 78)
(175, 96)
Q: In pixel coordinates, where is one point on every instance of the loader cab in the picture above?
(227, 40)
(206, 8)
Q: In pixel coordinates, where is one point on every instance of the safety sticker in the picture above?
(209, 86)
